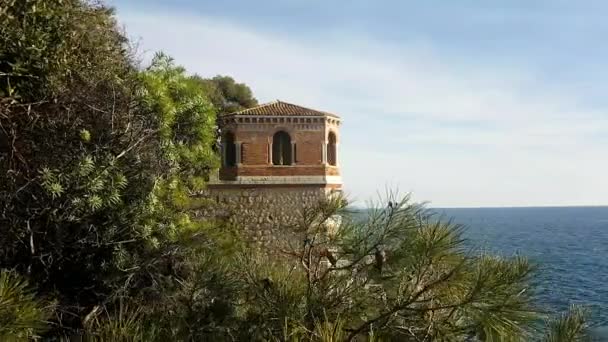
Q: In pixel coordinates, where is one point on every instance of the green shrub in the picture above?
(22, 315)
(97, 157)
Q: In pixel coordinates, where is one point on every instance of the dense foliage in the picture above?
(96, 155)
(226, 94)
(74, 172)
(22, 315)
(98, 159)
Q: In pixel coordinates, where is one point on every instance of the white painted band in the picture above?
(247, 180)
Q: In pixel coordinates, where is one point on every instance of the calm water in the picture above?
(570, 244)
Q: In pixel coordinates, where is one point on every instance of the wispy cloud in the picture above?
(453, 131)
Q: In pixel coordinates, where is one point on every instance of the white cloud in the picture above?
(412, 117)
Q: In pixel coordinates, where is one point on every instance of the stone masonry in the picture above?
(264, 215)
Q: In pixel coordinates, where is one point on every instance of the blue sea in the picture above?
(570, 245)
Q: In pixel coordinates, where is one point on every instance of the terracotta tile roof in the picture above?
(280, 108)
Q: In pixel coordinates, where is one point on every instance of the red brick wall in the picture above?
(309, 147)
(255, 159)
(254, 148)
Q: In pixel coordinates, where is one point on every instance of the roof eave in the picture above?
(313, 113)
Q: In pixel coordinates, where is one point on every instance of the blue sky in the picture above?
(462, 103)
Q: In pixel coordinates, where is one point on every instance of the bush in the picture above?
(96, 156)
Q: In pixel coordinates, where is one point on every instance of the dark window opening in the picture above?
(331, 149)
(281, 149)
(244, 153)
(229, 150)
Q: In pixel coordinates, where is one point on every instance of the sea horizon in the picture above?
(522, 206)
(357, 207)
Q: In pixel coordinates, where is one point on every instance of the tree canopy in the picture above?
(226, 94)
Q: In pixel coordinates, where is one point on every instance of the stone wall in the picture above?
(264, 215)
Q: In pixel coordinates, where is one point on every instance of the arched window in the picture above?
(229, 149)
(331, 149)
(281, 148)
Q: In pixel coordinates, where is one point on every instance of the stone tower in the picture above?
(277, 158)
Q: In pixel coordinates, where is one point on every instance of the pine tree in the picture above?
(22, 316)
(397, 272)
